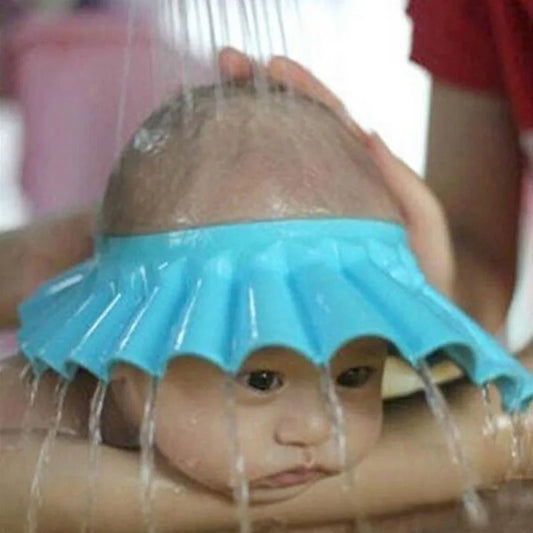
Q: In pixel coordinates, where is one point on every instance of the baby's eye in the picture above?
(261, 380)
(355, 377)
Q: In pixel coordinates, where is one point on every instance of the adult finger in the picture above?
(235, 65)
(289, 73)
(424, 216)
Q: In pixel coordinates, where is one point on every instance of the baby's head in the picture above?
(252, 155)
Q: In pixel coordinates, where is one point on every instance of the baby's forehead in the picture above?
(250, 158)
(361, 346)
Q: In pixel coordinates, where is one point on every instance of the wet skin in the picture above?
(286, 426)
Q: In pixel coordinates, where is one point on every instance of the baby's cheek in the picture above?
(363, 430)
(196, 449)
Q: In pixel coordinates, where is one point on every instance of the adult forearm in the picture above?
(410, 467)
(64, 487)
(483, 287)
(474, 167)
(118, 504)
(31, 255)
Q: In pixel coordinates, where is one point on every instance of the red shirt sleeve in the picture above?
(453, 40)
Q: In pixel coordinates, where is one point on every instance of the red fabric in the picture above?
(479, 44)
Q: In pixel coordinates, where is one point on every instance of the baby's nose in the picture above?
(306, 423)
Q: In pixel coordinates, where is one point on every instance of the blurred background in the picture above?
(65, 65)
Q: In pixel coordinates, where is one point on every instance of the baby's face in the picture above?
(285, 422)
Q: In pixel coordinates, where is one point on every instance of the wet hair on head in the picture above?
(232, 153)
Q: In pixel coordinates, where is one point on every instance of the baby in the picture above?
(255, 155)
(258, 154)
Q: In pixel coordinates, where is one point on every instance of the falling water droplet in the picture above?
(26, 419)
(147, 437)
(472, 503)
(288, 83)
(519, 445)
(44, 458)
(257, 31)
(241, 492)
(214, 52)
(490, 428)
(265, 18)
(128, 53)
(183, 13)
(337, 415)
(156, 27)
(224, 23)
(281, 24)
(25, 373)
(361, 524)
(95, 441)
(259, 79)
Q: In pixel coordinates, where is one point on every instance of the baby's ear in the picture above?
(423, 216)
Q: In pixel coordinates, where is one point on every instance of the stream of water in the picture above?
(95, 442)
(44, 458)
(241, 491)
(146, 474)
(361, 524)
(436, 402)
(26, 419)
(490, 427)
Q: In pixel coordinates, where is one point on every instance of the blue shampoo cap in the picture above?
(221, 292)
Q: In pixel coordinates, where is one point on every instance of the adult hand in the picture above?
(422, 213)
(235, 65)
(33, 254)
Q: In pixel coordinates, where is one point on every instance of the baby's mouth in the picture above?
(291, 478)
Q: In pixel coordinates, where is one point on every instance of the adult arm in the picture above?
(409, 467)
(33, 254)
(474, 168)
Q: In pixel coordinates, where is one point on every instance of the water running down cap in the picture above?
(222, 292)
